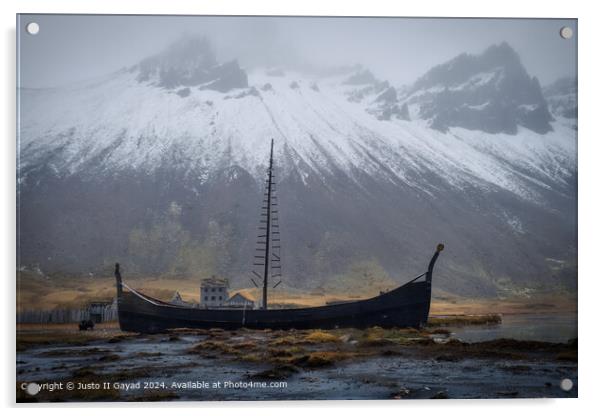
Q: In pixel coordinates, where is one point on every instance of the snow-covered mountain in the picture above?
(490, 92)
(561, 96)
(160, 166)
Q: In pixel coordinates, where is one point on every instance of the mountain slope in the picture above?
(131, 168)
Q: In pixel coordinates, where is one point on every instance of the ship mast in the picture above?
(268, 227)
(268, 243)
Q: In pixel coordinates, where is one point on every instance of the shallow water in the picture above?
(371, 378)
(166, 360)
(527, 327)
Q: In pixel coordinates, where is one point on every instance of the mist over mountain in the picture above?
(189, 62)
(161, 167)
(561, 96)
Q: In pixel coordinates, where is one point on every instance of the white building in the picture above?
(214, 292)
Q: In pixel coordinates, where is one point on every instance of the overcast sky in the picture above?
(74, 48)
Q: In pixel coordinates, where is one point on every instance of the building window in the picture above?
(220, 298)
(213, 289)
(212, 297)
(206, 298)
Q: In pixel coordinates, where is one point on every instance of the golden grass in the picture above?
(252, 357)
(461, 320)
(245, 345)
(379, 337)
(286, 352)
(210, 345)
(321, 337)
(323, 358)
(286, 340)
(540, 303)
(37, 292)
(274, 352)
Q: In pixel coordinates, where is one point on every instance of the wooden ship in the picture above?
(405, 306)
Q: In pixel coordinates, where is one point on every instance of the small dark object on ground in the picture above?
(449, 358)
(440, 395)
(278, 372)
(401, 393)
(390, 353)
(86, 324)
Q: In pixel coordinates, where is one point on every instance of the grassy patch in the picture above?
(286, 340)
(463, 320)
(286, 352)
(322, 358)
(245, 345)
(212, 345)
(379, 337)
(321, 337)
(253, 357)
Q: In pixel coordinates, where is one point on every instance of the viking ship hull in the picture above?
(405, 306)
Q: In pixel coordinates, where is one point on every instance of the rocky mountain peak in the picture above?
(491, 92)
(191, 61)
(496, 59)
(501, 54)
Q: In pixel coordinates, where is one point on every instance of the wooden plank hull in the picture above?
(406, 306)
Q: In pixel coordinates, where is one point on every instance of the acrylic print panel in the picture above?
(277, 208)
